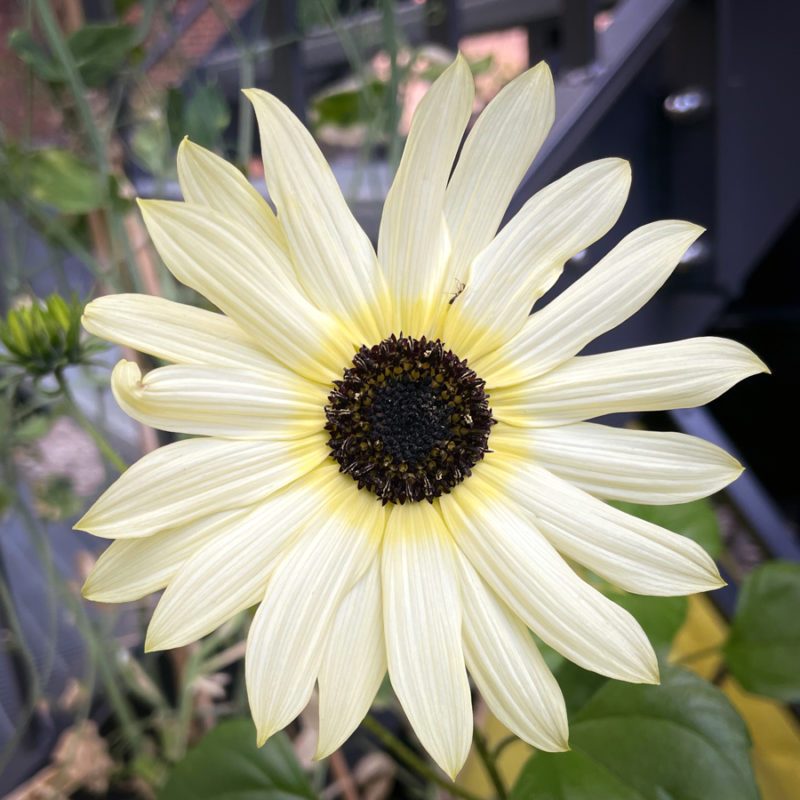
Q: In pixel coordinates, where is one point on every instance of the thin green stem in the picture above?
(393, 101)
(490, 764)
(408, 757)
(502, 745)
(100, 440)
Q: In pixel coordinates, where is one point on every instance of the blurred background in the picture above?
(699, 95)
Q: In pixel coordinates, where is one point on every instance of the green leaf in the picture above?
(33, 55)
(696, 520)
(206, 116)
(763, 649)
(661, 617)
(59, 179)
(100, 51)
(681, 740)
(227, 765)
(345, 109)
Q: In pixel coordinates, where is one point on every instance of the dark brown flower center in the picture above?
(408, 420)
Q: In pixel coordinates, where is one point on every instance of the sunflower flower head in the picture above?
(392, 456)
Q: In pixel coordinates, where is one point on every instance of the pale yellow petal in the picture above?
(172, 331)
(422, 620)
(333, 257)
(208, 180)
(221, 401)
(129, 569)
(187, 480)
(413, 243)
(503, 543)
(353, 662)
(231, 572)
(655, 467)
(658, 377)
(631, 553)
(222, 260)
(508, 668)
(495, 157)
(527, 256)
(617, 287)
(290, 628)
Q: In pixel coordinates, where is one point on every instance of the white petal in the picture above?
(413, 244)
(617, 287)
(353, 662)
(221, 401)
(290, 628)
(633, 554)
(187, 480)
(504, 545)
(208, 180)
(508, 669)
(495, 157)
(131, 568)
(679, 374)
(231, 572)
(172, 331)
(527, 256)
(656, 467)
(333, 257)
(422, 620)
(222, 260)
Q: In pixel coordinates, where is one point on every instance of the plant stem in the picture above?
(502, 744)
(489, 763)
(100, 440)
(412, 760)
(393, 122)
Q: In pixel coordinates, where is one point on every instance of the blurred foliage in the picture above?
(99, 51)
(682, 739)
(42, 338)
(763, 649)
(228, 764)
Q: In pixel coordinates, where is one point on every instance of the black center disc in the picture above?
(408, 420)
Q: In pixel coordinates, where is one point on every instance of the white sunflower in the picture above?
(392, 459)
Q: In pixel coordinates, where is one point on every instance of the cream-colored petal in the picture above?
(504, 544)
(508, 669)
(353, 662)
(222, 260)
(413, 243)
(131, 568)
(422, 620)
(633, 554)
(656, 467)
(527, 256)
(231, 572)
(495, 157)
(208, 180)
(187, 480)
(679, 374)
(221, 401)
(172, 331)
(333, 257)
(617, 287)
(291, 626)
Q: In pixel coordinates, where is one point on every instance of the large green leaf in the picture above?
(763, 650)
(227, 765)
(59, 179)
(696, 520)
(679, 741)
(661, 617)
(206, 115)
(99, 52)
